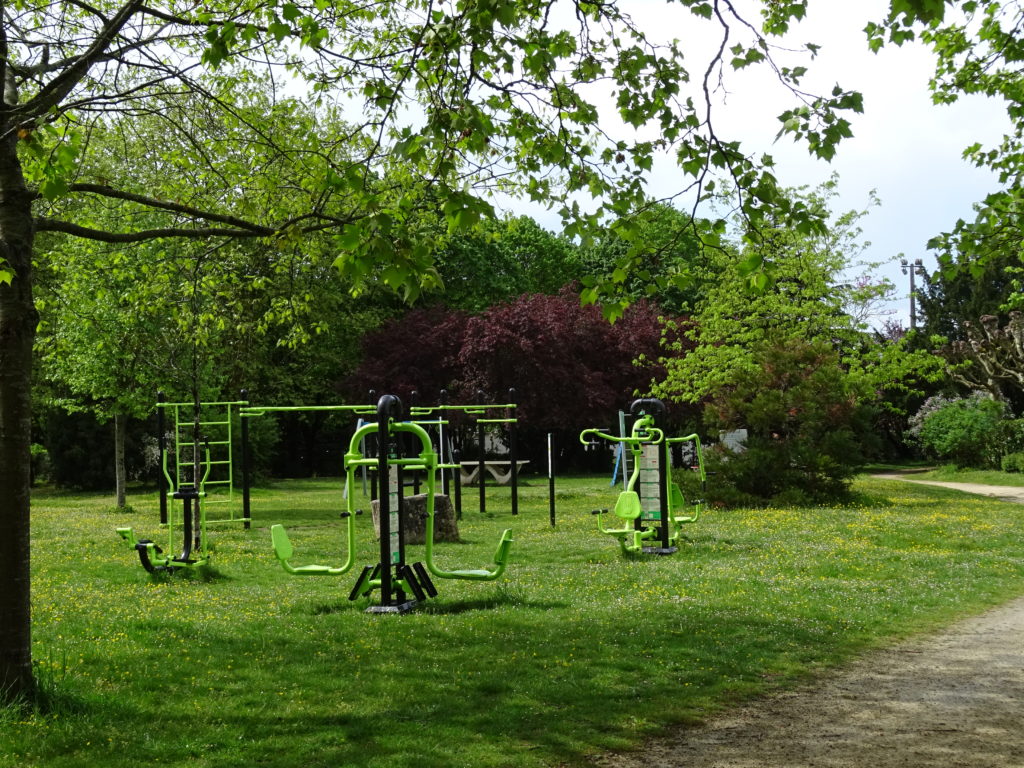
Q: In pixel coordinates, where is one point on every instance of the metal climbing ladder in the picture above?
(214, 432)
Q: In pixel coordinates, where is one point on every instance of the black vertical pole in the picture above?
(400, 563)
(161, 430)
(457, 480)
(481, 465)
(551, 478)
(663, 495)
(246, 459)
(512, 453)
(186, 524)
(384, 500)
(482, 457)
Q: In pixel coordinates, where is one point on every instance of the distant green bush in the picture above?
(1013, 462)
(970, 431)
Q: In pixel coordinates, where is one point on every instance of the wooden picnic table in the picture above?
(501, 471)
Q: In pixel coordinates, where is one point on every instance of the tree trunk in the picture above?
(17, 332)
(120, 425)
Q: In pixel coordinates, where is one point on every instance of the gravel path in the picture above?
(943, 701)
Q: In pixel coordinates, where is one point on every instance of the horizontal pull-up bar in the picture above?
(201, 405)
(426, 410)
(260, 410)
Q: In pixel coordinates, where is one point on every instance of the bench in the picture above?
(501, 471)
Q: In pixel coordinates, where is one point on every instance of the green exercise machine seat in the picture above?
(627, 506)
(480, 574)
(284, 551)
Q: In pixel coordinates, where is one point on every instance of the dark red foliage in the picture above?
(418, 351)
(569, 366)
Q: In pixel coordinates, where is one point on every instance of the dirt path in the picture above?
(943, 701)
(1001, 492)
(948, 700)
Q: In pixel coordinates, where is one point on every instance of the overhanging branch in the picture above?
(197, 213)
(44, 224)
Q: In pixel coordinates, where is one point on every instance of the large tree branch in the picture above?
(54, 92)
(44, 224)
(197, 213)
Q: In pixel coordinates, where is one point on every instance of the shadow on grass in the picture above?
(203, 574)
(504, 595)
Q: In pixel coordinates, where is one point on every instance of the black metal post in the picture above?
(161, 429)
(512, 453)
(246, 459)
(551, 478)
(480, 466)
(663, 479)
(457, 480)
(384, 498)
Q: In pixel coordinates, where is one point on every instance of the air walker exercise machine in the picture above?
(652, 509)
(191, 522)
(402, 585)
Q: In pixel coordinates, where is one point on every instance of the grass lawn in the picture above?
(576, 650)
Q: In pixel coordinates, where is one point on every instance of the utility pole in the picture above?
(917, 268)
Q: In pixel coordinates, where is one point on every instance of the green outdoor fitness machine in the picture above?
(198, 430)
(401, 584)
(652, 510)
(191, 522)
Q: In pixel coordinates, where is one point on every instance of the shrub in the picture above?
(1013, 462)
(970, 431)
(808, 426)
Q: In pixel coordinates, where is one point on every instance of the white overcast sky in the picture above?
(904, 147)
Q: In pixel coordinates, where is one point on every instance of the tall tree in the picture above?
(668, 258)
(978, 52)
(506, 258)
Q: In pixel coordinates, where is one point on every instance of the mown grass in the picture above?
(578, 650)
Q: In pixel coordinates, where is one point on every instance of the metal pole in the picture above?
(513, 455)
(161, 429)
(551, 479)
(457, 479)
(663, 478)
(912, 269)
(384, 501)
(480, 461)
(246, 459)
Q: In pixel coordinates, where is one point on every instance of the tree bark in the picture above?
(120, 425)
(18, 321)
